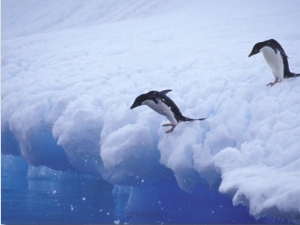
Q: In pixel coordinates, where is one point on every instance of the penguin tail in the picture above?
(201, 119)
(185, 119)
(291, 75)
(296, 75)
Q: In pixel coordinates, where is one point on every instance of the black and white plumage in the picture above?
(276, 59)
(162, 104)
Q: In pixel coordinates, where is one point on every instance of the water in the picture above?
(52, 201)
(82, 199)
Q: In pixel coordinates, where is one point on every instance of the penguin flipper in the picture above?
(274, 49)
(155, 100)
(277, 47)
(282, 52)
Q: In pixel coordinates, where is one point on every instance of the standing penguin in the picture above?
(276, 59)
(162, 104)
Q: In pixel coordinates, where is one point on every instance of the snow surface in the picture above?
(71, 69)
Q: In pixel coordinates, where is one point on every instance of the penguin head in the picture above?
(256, 48)
(139, 101)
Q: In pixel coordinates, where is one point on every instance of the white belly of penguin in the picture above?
(274, 60)
(162, 109)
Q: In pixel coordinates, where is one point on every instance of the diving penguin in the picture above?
(276, 59)
(162, 104)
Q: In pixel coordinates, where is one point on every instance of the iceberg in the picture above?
(71, 70)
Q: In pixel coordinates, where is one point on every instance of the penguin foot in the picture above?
(273, 83)
(172, 127)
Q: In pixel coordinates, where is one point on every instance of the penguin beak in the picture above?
(253, 52)
(134, 105)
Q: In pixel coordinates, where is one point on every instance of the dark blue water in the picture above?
(89, 200)
(50, 201)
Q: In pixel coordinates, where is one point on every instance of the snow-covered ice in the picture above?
(71, 70)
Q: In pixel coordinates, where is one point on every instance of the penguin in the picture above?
(276, 59)
(162, 104)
